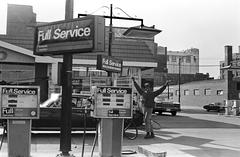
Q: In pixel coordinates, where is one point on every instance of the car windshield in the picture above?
(55, 100)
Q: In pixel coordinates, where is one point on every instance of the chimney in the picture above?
(228, 55)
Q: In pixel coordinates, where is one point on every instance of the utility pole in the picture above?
(179, 80)
(168, 92)
(66, 110)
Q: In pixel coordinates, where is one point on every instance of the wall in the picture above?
(201, 99)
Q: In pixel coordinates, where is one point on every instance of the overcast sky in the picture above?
(208, 25)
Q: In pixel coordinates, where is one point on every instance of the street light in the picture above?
(137, 31)
(230, 67)
(142, 32)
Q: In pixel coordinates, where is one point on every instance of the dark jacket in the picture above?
(148, 96)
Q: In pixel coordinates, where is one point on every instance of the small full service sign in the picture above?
(77, 35)
(109, 63)
(19, 102)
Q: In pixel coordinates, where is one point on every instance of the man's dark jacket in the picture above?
(148, 96)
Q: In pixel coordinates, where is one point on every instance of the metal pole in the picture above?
(110, 38)
(179, 81)
(66, 110)
(168, 92)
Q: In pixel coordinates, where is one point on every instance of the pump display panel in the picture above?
(112, 102)
(19, 102)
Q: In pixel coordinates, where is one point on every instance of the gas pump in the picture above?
(19, 105)
(111, 104)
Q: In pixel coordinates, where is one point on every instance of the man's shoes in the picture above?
(152, 135)
(149, 135)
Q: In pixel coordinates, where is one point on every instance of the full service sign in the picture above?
(108, 63)
(77, 35)
(113, 102)
(19, 102)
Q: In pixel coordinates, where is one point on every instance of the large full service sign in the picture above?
(113, 102)
(77, 35)
(19, 102)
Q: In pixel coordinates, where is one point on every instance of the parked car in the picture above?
(50, 114)
(166, 106)
(217, 106)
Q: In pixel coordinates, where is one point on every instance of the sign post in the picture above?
(19, 105)
(81, 35)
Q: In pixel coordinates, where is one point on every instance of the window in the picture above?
(186, 92)
(177, 92)
(219, 92)
(207, 91)
(195, 59)
(196, 92)
(76, 74)
(238, 85)
(174, 59)
(188, 59)
(17, 73)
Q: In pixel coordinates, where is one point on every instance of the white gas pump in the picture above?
(112, 105)
(19, 105)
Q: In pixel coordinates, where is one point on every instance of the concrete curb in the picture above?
(40, 154)
(149, 153)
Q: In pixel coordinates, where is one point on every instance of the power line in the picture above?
(203, 65)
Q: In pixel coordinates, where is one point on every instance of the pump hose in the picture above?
(95, 140)
(3, 134)
(84, 131)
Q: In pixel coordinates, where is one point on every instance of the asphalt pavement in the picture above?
(192, 133)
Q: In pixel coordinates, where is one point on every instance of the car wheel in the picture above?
(159, 113)
(208, 110)
(174, 113)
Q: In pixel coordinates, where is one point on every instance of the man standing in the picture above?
(148, 104)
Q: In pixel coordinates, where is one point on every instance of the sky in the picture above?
(208, 25)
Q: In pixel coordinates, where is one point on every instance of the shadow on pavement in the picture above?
(188, 145)
(182, 121)
(213, 152)
(199, 111)
(54, 138)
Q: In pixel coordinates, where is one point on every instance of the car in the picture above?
(167, 106)
(50, 114)
(216, 106)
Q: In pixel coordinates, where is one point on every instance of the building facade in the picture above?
(187, 59)
(200, 93)
(179, 64)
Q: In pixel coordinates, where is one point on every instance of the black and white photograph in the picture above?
(119, 78)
